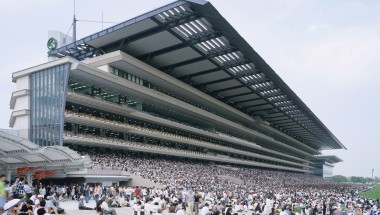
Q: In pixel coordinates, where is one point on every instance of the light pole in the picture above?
(372, 172)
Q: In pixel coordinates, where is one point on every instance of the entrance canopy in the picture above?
(16, 152)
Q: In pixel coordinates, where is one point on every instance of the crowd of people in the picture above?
(26, 199)
(174, 137)
(223, 188)
(170, 137)
(192, 187)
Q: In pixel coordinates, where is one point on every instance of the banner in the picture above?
(24, 170)
(43, 174)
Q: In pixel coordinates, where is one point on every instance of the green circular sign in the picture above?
(52, 43)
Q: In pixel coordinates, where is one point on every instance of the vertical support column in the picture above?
(9, 175)
(75, 108)
(92, 90)
(102, 133)
(125, 136)
(75, 128)
(29, 179)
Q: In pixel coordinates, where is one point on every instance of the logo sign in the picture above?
(43, 174)
(52, 43)
(24, 170)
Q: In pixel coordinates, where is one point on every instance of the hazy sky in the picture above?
(328, 52)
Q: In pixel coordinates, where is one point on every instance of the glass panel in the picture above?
(48, 95)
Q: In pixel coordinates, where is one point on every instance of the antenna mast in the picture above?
(74, 26)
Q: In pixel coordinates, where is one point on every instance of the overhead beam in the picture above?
(212, 82)
(249, 100)
(228, 88)
(281, 120)
(284, 124)
(274, 115)
(258, 105)
(208, 56)
(241, 94)
(191, 42)
(264, 109)
(276, 118)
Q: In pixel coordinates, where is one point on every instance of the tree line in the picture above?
(354, 179)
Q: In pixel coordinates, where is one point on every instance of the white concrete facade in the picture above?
(98, 69)
(20, 104)
(20, 98)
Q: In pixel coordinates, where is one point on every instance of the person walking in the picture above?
(190, 202)
(87, 193)
(3, 193)
(197, 199)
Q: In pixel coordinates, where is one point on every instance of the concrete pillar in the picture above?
(29, 178)
(102, 133)
(9, 175)
(125, 136)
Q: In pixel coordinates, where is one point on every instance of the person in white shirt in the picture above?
(38, 200)
(180, 210)
(137, 207)
(190, 201)
(205, 210)
(50, 206)
(43, 191)
(33, 198)
(105, 208)
(27, 190)
(148, 206)
(238, 208)
(128, 193)
(41, 206)
(144, 192)
(283, 212)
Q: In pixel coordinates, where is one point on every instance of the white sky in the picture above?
(328, 52)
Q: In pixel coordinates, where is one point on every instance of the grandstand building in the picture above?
(178, 81)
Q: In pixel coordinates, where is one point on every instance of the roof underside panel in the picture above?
(104, 38)
(209, 76)
(174, 57)
(194, 68)
(194, 43)
(224, 84)
(236, 91)
(240, 98)
(152, 43)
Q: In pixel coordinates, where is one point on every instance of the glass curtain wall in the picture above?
(48, 95)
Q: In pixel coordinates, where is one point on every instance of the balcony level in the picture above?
(124, 110)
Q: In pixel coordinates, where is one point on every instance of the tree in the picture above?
(339, 178)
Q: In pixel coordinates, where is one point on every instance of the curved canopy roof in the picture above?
(193, 42)
(18, 152)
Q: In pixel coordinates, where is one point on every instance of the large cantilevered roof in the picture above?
(18, 152)
(193, 42)
(329, 158)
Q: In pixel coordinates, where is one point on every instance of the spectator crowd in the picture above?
(192, 187)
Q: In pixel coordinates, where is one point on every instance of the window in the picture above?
(48, 90)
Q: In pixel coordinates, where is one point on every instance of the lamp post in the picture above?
(372, 172)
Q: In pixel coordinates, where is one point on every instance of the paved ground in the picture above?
(71, 208)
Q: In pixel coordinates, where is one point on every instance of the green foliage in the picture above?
(354, 179)
(339, 178)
